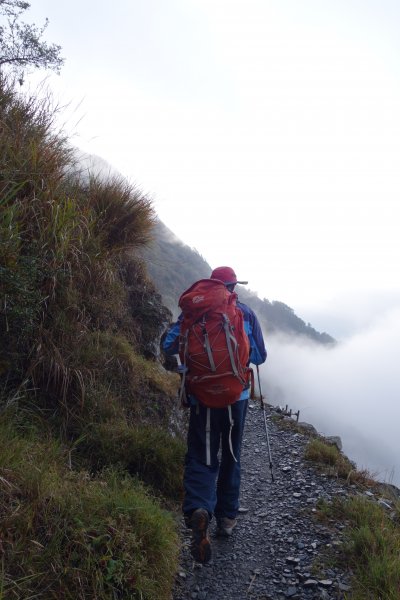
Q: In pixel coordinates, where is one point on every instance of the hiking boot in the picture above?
(200, 546)
(225, 526)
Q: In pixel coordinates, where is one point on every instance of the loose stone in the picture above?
(325, 582)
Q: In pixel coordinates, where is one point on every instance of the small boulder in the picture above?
(308, 427)
(334, 440)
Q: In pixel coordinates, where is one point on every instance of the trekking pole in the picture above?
(265, 423)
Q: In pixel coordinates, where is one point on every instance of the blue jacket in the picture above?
(258, 352)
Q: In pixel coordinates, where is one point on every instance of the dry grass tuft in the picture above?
(124, 216)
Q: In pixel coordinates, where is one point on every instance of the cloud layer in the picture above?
(352, 390)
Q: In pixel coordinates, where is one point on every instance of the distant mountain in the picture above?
(174, 266)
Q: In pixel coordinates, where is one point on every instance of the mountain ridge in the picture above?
(174, 266)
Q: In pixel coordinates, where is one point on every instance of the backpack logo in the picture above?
(214, 346)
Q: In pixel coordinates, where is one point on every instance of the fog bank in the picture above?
(351, 390)
(349, 312)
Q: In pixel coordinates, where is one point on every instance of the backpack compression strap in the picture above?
(208, 346)
(230, 339)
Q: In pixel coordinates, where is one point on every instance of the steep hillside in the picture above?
(91, 450)
(174, 266)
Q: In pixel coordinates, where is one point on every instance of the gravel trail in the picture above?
(271, 551)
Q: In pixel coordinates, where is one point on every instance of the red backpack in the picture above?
(214, 346)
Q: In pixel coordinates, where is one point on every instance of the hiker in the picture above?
(212, 483)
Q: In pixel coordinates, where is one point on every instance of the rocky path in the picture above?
(277, 539)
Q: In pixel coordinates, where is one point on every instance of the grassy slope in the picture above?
(90, 450)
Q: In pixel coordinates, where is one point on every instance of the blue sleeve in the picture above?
(171, 342)
(258, 352)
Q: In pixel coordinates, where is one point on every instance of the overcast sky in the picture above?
(266, 131)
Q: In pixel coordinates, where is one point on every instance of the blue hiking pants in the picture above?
(214, 486)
